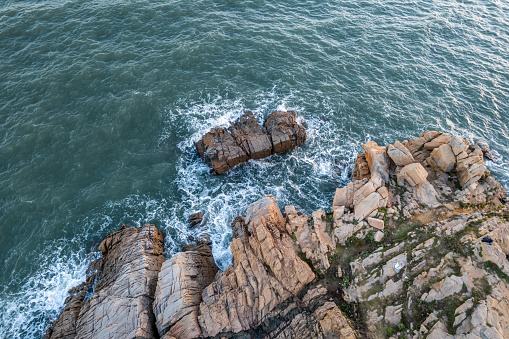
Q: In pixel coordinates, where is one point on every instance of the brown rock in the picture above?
(121, 306)
(361, 168)
(195, 219)
(64, 327)
(284, 131)
(245, 139)
(265, 271)
(414, 174)
(317, 319)
(220, 149)
(444, 157)
(251, 136)
(178, 292)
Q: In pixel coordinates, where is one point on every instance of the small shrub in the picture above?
(490, 265)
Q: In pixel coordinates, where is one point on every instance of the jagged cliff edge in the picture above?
(415, 246)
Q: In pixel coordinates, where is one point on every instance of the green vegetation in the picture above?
(493, 267)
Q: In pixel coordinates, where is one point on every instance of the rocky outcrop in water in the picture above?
(245, 139)
(416, 246)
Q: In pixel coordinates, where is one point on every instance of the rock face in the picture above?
(416, 248)
(245, 139)
(178, 294)
(265, 271)
(267, 290)
(284, 131)
(121, 305)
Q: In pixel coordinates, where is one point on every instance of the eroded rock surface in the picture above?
(265, 271)
(245, 139)
(178, 294)
(415, 246)
(121, 303)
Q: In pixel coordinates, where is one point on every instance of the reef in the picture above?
(245, 139)
(415, 246)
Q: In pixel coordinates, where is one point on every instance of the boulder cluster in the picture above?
(415, 246)
(245, 139)
(268, 290)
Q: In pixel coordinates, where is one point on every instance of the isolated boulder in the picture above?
(195, 219)
(245, 139)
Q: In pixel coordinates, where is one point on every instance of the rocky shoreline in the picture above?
(415, 246)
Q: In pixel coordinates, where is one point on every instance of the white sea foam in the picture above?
(25, 313)
(305, 177)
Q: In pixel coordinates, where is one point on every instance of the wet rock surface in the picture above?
(245, 139)
(195, 219)
(415, 248)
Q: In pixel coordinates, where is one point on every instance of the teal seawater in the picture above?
(100, 102)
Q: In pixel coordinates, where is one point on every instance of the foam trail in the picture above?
(24, 314)
(305, 177)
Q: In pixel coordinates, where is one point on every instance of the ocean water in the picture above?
(100, 102)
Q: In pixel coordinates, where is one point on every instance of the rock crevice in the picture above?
(415, 246)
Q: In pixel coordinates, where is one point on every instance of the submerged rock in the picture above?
(195, 219)
(245, 139)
